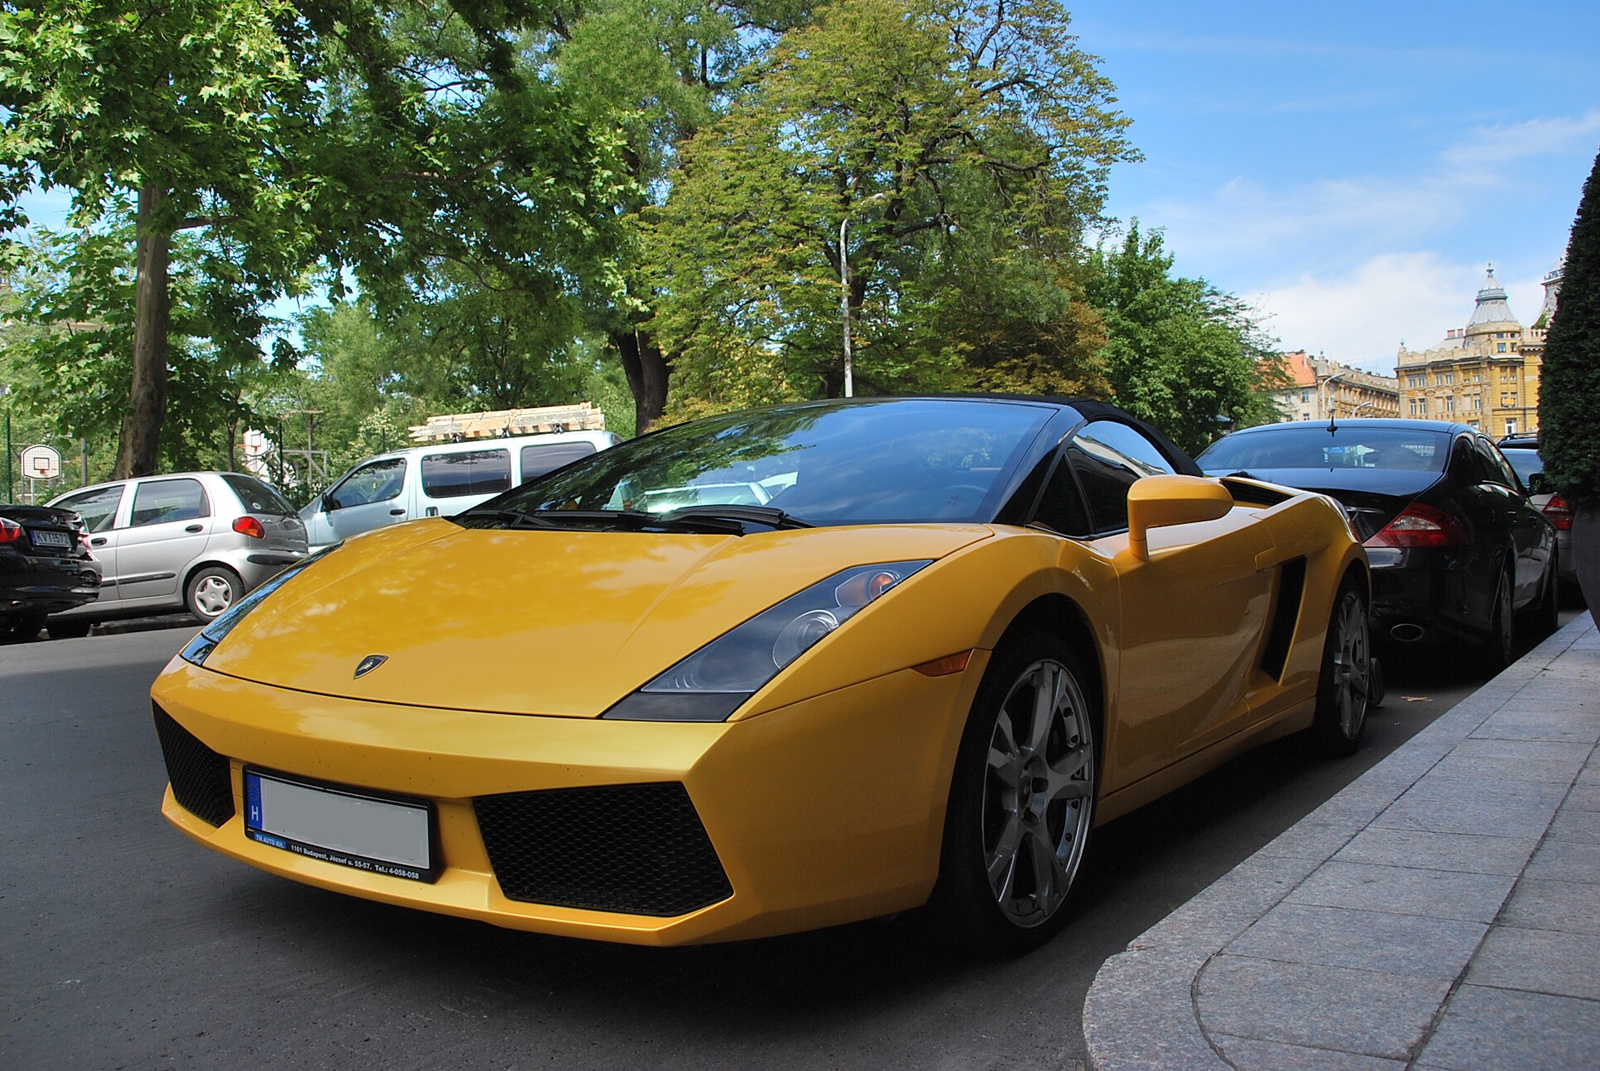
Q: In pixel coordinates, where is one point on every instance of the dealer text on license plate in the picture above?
(379, 835)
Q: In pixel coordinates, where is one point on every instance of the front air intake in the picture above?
(201, 780)
(633, 849)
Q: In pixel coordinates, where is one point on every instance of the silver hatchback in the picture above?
(191, 540)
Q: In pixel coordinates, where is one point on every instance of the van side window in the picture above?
(538, 460)
(377, 482)
(169, 500)
(470, 472)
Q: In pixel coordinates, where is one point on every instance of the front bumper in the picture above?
(826, 811)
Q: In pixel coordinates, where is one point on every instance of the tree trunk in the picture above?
(646, 369)
(137, 454)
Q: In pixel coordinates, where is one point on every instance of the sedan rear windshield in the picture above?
(1315, 447)
(871, 462)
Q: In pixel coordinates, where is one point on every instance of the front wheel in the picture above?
(1021, 802)
(1345, 684)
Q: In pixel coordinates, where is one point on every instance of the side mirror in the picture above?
(1159, 501)
(329, 503)
(1537, 484)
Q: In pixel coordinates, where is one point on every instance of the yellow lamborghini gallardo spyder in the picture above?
(771, 671)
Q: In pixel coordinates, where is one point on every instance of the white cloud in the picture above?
(1361, 317)
(1517, 141)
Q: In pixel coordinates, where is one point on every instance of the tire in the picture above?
(210, 591)
(22, 629)
(1547, 618)
(67, 630)
(1345, 684)
(1495, 654)
(1022, 802)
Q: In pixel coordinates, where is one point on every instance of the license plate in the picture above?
(50, 539)
(381, 835)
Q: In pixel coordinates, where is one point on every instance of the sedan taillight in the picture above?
(249, 526)
(10, 530)
(1421, 526)
(1558, 513)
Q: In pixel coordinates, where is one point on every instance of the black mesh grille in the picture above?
(200, 778)
(636, 849)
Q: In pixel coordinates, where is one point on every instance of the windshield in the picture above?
(1524, 460)
(1351, 446)
(875, 462)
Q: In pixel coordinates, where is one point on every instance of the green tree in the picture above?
(197, 110)
(1180, 354)
(958, 150)
(1569, 389)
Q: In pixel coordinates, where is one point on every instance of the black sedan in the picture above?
(44, 567)
(1457, 549)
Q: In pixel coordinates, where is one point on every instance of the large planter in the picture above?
(1586, 556)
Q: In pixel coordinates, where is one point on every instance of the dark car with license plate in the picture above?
(44, 567)
(1458, 550)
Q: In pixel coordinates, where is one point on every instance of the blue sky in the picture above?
(1351, 169)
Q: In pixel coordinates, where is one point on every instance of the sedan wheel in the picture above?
(1345, 686)
(1022, 802)
(1497, 649)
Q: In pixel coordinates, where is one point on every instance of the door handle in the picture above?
(195, 528)
(397, 513)
(98, 541)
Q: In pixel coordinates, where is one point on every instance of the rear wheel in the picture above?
(67, 630)
(1021, 802)
(1345, 685)
(211, 591)
(1548, 616)
(1497, 648)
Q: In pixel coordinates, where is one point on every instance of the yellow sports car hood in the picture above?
(534, 621)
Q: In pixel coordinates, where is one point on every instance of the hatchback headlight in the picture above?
(713, 682)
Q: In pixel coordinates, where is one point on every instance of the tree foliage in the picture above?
(959, 150)
(1569, 392)
(1180, 354)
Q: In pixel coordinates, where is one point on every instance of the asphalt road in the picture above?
(124, 945)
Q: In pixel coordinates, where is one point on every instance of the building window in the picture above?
(1450, 405)
(1305, 396)
(1511, 427)
(1500, 347)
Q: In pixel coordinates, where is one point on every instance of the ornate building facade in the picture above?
(1485, 374)
(1324, 389)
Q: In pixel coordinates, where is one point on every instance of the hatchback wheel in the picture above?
(211, 591)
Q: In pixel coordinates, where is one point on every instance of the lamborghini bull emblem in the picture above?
(370, 663)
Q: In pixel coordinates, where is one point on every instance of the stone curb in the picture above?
(1217, 952)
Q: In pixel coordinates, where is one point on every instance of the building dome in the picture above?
(1491, 307)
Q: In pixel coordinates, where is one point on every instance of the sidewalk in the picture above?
(1442, 912)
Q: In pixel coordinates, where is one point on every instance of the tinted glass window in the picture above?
(538, 460)
(377, 481)
(472, 472)
(97, 508)
(1493, 467)
(1108, 457)
(864, 462)
(1061, 507)
(257, 497)
(1314, 447)
(161, 501)
(1526, 462)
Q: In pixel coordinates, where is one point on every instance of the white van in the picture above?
(440, 480)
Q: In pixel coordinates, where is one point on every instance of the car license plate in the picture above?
(382, 835)
(50, 539)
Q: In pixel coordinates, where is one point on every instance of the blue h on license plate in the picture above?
(381, 835)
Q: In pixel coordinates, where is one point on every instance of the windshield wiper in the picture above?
(767, 516)
(704, 520)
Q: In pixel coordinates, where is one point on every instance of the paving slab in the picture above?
(1442, 912)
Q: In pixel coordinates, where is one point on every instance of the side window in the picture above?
(538, 460)
(378, 481)
(471, 472)
(1498, 469)
(1108, 458)
(98, 508)
(1061, 506)
(161, 501)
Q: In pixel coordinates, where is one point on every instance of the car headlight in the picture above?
(713, 682)
(205, 641)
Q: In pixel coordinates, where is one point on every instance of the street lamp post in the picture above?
(844, 291)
